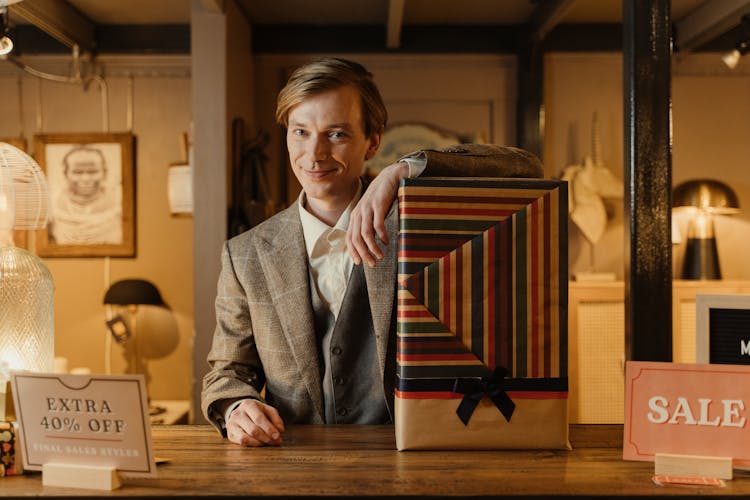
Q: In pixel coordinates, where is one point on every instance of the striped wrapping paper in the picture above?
(482, 286)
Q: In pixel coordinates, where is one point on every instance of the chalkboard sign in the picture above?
(722, 329)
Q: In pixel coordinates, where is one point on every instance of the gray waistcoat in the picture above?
(352, 384)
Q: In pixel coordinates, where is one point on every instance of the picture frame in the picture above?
(403, 138)
(19, 142)
(91, 178)
(722, 332)
(20, 236)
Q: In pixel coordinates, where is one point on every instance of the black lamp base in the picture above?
(701, 260)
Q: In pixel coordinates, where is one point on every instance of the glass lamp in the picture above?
(27, 323)
(704, 198)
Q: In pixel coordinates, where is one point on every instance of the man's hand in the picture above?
(367, 220)
(254, 423)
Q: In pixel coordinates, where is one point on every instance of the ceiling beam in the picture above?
(546, 16)
(59, 20)
(395, 23)
(708, 21)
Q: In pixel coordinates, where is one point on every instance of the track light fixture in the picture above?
(6, 44)
(732, 58)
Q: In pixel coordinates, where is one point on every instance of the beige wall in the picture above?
(711, 124)
(157, 100)
(575, 87)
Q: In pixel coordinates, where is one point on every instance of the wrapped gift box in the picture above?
(482, 314)
(10, 454)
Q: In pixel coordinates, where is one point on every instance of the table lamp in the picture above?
(704, 198)
(130, 294)
(27, 323)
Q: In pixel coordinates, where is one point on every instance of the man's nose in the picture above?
(320, 148)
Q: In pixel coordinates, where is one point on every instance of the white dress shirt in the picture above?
(328, 260)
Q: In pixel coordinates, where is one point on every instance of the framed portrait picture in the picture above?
(20, 236)
(722, 329)
(92, 199)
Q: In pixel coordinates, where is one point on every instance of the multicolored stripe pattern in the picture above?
(482, 280)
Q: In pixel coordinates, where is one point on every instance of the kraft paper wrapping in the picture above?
(418, 419)
(482, 287)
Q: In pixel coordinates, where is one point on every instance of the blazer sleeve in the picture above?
(482, 160)
(235, 368)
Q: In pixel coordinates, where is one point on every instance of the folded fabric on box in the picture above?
(10, 455)
(482, 314)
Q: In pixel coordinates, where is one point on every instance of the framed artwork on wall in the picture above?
(20, 236)
(403, 138)
(19, 142)
(92, 197)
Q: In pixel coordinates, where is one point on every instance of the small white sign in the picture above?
(722, 329)
(98, 420)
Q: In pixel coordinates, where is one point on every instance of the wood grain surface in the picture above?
(361, 461)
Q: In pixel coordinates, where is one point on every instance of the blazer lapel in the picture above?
(285, 266)
(381, 287)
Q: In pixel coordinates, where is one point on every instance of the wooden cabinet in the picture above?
(596, 352)
(596, 342)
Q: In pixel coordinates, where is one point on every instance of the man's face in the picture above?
(328, 147)
(85, 173)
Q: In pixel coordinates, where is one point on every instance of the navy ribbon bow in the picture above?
(475, 389)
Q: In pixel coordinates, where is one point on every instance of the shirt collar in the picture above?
(313, 228)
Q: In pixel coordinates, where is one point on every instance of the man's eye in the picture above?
(298, 131)
(337, 134)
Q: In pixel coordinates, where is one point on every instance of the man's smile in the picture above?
(318, 173)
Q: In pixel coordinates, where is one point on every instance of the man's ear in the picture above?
(374, 144)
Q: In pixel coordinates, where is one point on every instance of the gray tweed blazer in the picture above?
(265, 329)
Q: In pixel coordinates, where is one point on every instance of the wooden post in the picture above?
(530, 75)
(648, 180)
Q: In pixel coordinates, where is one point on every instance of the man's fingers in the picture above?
(241, 430)
(237, 435)
(254, 423)
(355, 237)
(365, 226)
(369, 243)
(351, 233)
(275, 418)
(269, 434)
(367, 223)
(278, 423)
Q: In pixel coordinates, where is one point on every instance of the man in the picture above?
(86, 212)
(305, 332)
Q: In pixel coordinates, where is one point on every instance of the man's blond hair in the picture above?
(330, 73)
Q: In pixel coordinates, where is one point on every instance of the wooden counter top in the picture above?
(358, 461)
